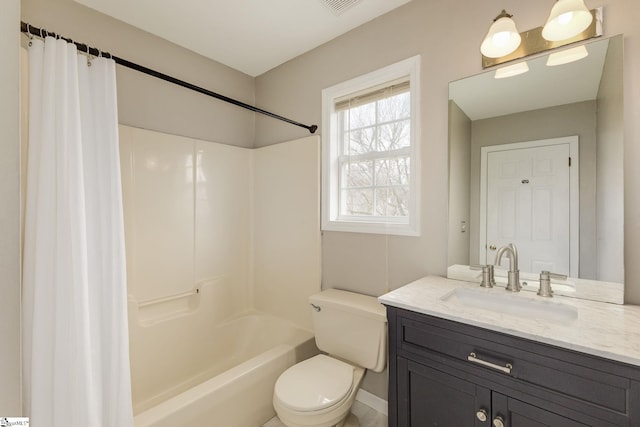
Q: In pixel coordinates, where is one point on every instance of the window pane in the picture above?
(394, 135)
(394, 171)
(361, 116)
(367, 161)
(395, 107)
(357, 202)
(357, 174)
(359, 141)
(392, 202)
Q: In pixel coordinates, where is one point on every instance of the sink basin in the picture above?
(498, 301)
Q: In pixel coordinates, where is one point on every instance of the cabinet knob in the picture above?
(498, 422)
(493, 247)
(482, 415)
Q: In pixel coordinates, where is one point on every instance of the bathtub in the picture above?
(214, 376)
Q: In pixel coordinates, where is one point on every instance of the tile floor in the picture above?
(368, 417)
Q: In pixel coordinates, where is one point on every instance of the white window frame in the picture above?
(330, 153)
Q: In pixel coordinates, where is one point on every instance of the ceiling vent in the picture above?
(338, 7)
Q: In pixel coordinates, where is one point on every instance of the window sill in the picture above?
(372, 228)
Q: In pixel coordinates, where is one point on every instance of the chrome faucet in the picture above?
(513, 276)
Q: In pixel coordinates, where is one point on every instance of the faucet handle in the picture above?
(488, 279)
(547, 275)
(545, 282)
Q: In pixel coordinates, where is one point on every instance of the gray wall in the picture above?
(9, 211)
(563, 120)
(147, 102)
(447, 35)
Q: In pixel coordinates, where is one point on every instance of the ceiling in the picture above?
(482, 96)
(252, 36)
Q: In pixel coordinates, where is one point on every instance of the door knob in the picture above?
(493, 247)
(482, 415)
(498, 422)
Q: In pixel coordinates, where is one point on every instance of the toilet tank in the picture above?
(351, 326)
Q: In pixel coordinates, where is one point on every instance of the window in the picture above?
(371, 152)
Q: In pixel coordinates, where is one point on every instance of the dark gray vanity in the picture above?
(453, 364)
(443, 373)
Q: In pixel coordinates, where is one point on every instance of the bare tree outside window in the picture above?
(375, 158)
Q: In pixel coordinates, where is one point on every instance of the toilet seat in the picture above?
(315, 384)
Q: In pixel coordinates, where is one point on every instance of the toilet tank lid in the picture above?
(365, 305)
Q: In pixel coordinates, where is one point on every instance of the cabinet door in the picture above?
(514, 413)
(428, 397)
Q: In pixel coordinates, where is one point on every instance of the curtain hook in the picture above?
(29, 35)
(89, 57)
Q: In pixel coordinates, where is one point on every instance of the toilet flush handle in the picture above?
(316, 307)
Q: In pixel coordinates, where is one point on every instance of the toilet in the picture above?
(351, 331)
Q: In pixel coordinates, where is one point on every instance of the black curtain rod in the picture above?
(42, 33)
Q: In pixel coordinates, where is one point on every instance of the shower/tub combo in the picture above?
(185, 372)
(223, 251)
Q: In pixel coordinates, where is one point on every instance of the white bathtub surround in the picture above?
(250, 216)
(76, 353)
(223, 251)
(235, 369)
(286, 228)
(601, 329)
(172, 354)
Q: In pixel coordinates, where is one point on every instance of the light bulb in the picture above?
(565, 18)
(501, 38)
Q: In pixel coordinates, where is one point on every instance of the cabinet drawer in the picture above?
(565, 377)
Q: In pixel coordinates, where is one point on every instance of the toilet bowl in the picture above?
(320, 391)
(317, 392)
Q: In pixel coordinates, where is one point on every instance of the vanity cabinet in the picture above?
(448, 374)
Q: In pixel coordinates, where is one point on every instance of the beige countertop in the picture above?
(602, 329)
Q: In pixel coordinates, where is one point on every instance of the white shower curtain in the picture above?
(75, 346)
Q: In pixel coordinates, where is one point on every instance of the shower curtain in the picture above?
(75, 335)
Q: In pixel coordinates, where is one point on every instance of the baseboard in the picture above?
(373, 401)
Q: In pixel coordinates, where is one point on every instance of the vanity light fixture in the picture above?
(502, 38)
(567, 19)
(512, 70)
(567, 56)
(569, 22)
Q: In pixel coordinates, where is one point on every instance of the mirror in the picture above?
(536, 159)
